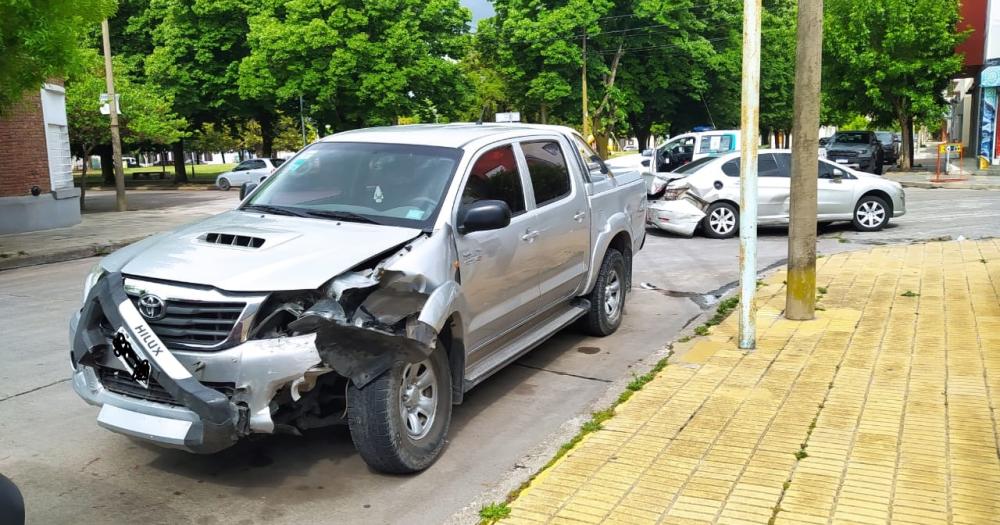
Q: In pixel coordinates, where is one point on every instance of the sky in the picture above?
(480, 9)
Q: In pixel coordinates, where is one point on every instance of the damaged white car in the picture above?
(706, 194)
(371, 281)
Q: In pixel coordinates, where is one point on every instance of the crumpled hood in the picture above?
(297, 253)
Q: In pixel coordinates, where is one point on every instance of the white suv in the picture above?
(252, 170)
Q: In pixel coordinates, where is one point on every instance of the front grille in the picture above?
(121, 383)
(194, 324)
(841, 153)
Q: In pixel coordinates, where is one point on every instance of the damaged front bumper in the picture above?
(680, 216)
(202, 402)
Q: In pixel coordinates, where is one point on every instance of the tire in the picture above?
(607, 299)
(390, 441)
(871, 214)
(224, 184)
(722, 221)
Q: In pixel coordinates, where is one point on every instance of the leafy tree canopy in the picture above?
(39, 40)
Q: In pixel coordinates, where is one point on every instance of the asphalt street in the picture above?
(70, 470)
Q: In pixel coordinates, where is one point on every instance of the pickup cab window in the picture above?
(594, 167)
(495, 176)
(547, 170)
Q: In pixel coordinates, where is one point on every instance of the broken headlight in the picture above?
(672, 194)
(95, 274)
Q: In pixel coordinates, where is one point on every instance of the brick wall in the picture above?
(22, 149)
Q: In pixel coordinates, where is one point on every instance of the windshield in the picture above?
(691, 167)
(851, 138)
(394, 184)
(884, 137)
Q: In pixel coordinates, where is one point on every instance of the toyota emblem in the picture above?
(152, 307)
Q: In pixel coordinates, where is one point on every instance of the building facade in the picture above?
(36, 183)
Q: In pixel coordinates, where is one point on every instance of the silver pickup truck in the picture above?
(376, 277)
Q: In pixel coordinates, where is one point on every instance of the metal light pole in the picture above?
(749, 140)
(800, 293)
(116, 140)
(302, 118)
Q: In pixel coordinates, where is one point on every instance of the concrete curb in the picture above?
(80, 252)
(948, 185)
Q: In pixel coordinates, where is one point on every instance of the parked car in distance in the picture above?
(709, 192)
(860, 150)
(890, 146)
(251, 170)
(375, 278)
(823, 141)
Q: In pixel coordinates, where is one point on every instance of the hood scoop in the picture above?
(231, 239)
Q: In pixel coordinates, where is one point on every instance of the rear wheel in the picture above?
(224, 184)
(721, 220)
(871, 213)
(607, 299)
(399, 421)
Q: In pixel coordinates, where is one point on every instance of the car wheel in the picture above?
(721, 220)
(224, 184)
(870, 214)
(399, 421)
(607, 299)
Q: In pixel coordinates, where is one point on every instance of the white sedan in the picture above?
(706, 193)
(252, 170)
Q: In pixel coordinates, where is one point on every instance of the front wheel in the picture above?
(224, 184)
(721, 220)
(607, 299)
(870, 214)
(399, 421)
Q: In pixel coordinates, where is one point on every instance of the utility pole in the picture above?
(116, 140)
(302, 118)
(800, 292)
(749, 140)
(586, 103)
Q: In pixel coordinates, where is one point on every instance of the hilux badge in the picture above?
(152, 307)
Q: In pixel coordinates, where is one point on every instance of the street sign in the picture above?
(106, 108)
(514, 116)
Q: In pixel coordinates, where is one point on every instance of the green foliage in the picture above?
(358, 63)
(288, 134)
(890, 59)
(494, 512)
(146, 116)
(909, 293)
(40, 40)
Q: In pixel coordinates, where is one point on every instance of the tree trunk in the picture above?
(906, 151)
(107, 166)
(601, 137)
(266, 134)
(83, 180)
(180, 174)
(544, 111)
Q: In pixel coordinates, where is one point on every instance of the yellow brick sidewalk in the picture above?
(893, 396)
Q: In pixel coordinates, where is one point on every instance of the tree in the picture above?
(40, 40)
(891, 59)
(289, 134)
(146, 117)
(358, 63)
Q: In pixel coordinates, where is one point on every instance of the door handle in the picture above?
(579, 216)
(529, 235)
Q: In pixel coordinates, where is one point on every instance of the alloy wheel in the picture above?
(722, 220)
(613, 296)
(870, 214)
(418, 398)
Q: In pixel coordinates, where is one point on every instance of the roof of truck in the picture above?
(455, 135)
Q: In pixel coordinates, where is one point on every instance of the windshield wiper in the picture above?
(274, 210)
(341, 216)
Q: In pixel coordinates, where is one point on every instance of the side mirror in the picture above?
(246, 189)
(647, 153)
(483, 215)
(645, 163)
(595, 164)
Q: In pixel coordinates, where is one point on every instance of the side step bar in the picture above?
(536, 334)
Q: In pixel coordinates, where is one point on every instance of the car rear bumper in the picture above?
(676, 216)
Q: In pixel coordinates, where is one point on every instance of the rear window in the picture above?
(277, 162)
(547, 170)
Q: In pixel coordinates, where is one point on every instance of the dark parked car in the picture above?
(860, 150)
(890, 146)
